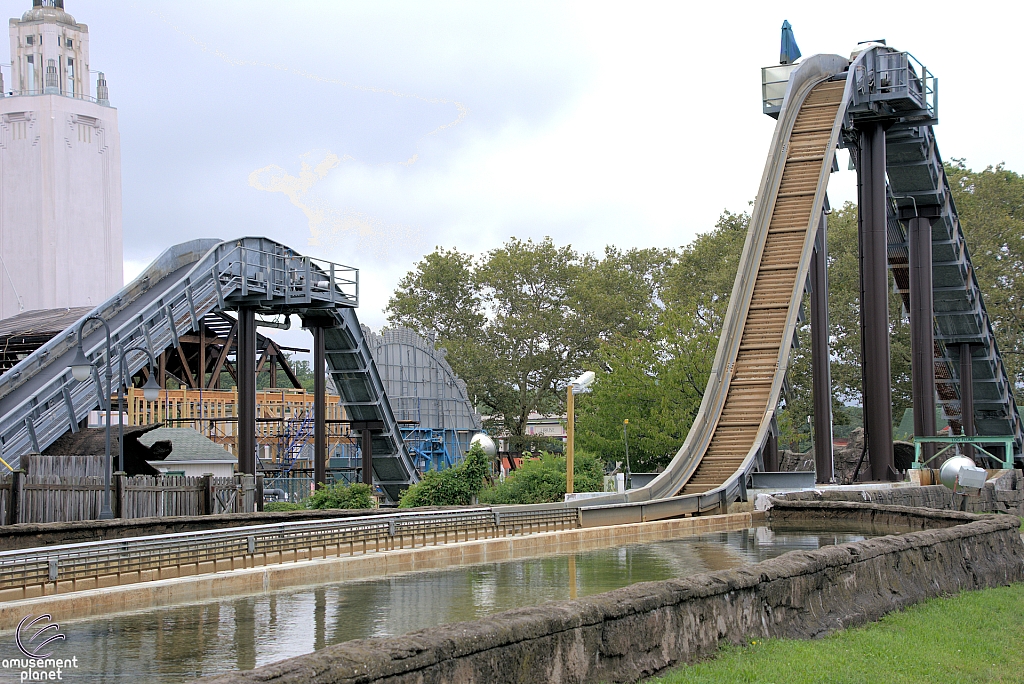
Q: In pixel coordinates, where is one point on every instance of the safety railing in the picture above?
(57, 569)
(979, 442)
(248, 272)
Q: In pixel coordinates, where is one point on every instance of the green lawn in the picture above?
(973, 637)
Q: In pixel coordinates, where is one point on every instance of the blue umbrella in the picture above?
(789, 52)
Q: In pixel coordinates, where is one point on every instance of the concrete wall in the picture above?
(1002, 494)
(637, 631)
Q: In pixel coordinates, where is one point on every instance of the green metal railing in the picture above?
(977, 441)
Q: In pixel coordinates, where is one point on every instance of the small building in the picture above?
(192, 454)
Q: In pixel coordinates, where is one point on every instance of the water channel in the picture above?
(179, 643)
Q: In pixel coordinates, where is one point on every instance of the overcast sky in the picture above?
(370, 132)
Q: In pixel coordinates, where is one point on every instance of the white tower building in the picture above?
(60, 170)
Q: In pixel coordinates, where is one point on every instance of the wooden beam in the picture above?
(186, 370)
(219, 366)
(202, 354)
(286, 367)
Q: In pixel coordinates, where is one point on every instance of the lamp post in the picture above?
(625, 440)
(81, 369)
(578, 385)
(150, 390)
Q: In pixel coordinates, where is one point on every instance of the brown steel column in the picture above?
(967, 396)
(319, 406)
(874, 302)
(820, 369)
(245, 367)
(771, 453)
(367, 450)
(922, 331)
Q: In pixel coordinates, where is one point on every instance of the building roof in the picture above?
(187, 445)
(42, 321)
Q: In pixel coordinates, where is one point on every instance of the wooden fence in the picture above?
(70, 488)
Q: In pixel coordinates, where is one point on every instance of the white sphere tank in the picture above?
(951, 468)
(486, 443)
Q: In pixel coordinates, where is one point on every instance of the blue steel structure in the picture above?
(434, 413)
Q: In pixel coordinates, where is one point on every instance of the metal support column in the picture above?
(246, 369)
(967, 396)
(922, 331)
(366, 428)
(771, 453)
(820, 370)
(367, 453)
(874, 302)
(319, 406)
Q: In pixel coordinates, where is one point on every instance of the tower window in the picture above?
(71, 77)
(29, 40)
(68, 43)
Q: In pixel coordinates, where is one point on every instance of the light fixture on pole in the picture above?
(81, 369)
(578, 385)
(625, 441)
(150, 391)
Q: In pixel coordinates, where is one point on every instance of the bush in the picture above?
(452, 487)
(282, 506)
(340, 495)
(542, 480)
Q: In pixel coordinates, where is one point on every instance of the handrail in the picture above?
(27, 567)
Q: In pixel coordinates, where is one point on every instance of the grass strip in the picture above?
(975, 636)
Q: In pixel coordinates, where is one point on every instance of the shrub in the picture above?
(542, 480)
(341, 495)
(452, 487)
(282, 506)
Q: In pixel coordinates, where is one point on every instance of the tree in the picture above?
(659, 374)
(439, 297)
(533, 317)
(990, 204)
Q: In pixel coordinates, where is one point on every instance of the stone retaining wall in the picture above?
(1002, 494)
(630, 633)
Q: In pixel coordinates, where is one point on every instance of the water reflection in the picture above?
(183, 642)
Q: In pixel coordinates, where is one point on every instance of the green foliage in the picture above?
(990, 204)
(277, 506)
(542, 480)
(527, 317)
(341, 495)
(658, 378)
(451, 487)
(972, 637)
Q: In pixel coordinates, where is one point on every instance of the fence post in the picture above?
(120, 487)
(259, 492)
(17, 498)
(239, 492)
(206, 496)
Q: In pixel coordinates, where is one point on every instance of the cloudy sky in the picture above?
(370, 132)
